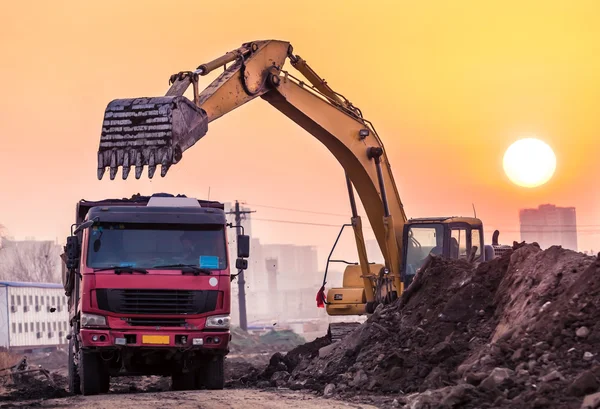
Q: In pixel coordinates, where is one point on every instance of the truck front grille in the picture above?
(156, 322)
(151, 302)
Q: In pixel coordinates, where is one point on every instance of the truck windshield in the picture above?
(147, 246)
(422, 240)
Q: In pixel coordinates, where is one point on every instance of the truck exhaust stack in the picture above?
(148, 131)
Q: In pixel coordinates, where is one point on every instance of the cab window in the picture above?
(458, 243)
(476, 241)
(422, 240)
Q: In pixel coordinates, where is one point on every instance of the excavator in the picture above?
(152, 131)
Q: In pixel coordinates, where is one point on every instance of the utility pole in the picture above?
(239, 215)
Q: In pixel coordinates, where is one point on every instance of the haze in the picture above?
(449, 86)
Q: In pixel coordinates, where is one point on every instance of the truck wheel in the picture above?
(74, 387)
(93, 376)
(214, 372)
(183, 381)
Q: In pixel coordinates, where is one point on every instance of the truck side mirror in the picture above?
(243, 246)
(241, 264)
(72, 252)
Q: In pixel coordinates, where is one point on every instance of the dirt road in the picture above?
(225, 399)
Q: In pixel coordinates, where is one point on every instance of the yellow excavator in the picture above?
(152, 131)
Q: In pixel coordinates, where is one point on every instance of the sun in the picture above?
(529, 162)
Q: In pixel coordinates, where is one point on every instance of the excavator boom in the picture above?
(155, 131)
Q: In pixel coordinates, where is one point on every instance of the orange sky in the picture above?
(448, 86)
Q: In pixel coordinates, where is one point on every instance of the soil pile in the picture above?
(521, 331)
(34, 386)
(279, 368)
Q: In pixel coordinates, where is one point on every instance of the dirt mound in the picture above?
(31, 387)
(417, 343)
(280, 366)
(521, 331)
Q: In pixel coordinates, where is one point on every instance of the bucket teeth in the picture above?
(126, 165)
(147, 131)
(138, 171)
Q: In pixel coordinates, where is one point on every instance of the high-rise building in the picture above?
(549, 225)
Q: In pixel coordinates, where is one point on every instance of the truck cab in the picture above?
(148, 283)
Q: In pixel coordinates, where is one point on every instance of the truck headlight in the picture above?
(92, 320)
(218, 321)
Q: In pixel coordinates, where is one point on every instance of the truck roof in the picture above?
(84, 206)
(158, 215)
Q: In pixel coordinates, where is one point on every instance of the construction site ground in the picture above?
(521, 331)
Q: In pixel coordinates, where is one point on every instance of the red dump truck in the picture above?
(148, 283)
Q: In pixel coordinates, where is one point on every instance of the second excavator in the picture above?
(152, 131)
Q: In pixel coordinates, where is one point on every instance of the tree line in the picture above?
(29, 260)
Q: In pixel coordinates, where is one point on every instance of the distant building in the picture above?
(549, 225)
(32, 315)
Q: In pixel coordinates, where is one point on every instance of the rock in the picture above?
(263, 384)
(586, 382)
(496, 377)
(457, 395)
(591, 401)
(518, 354)
(531, 365)
(329, 390)
(441, 352)
(487, 360)
(552, 376)
(544, 358)
(544, 388)
(326, 350)
(507, 335)
(521, 366)
(463, 368)
(582, 332)
(360, 378)
(475, 378)
(280, 376)
(297, 385)
(541, 402)
(588, 356)
(395, 403)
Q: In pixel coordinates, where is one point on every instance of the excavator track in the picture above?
(339, 330)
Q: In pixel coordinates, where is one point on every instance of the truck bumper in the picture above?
(109, 338)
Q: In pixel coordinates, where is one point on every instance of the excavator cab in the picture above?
(451, 237)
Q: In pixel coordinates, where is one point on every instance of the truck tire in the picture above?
(92, 374)
(214, 372)
(183, 381)
(74, 386)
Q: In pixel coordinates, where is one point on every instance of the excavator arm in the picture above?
(157, 130)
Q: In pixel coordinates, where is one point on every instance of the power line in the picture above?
(592, 231)
(578, 226)
(297, 210)
(297, 222)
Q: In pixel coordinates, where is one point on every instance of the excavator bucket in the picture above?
(148, 131)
